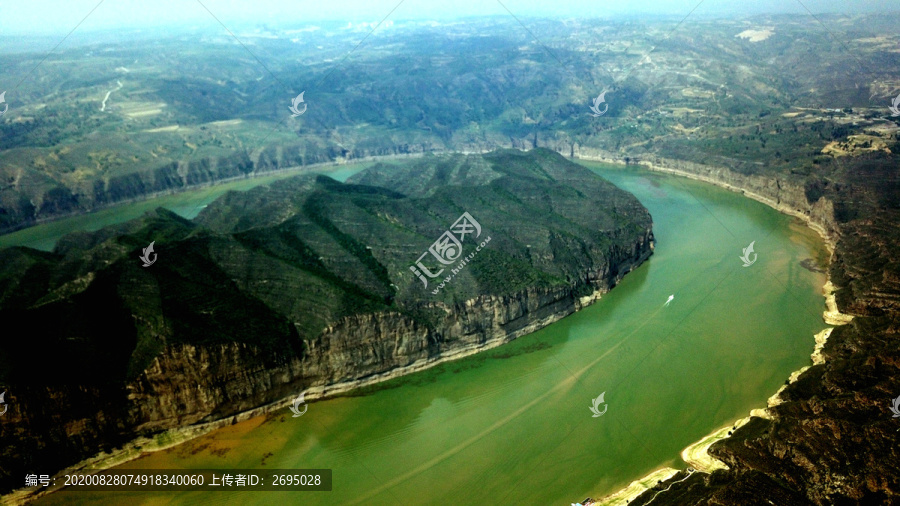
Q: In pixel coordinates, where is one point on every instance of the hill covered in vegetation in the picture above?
(302, 285)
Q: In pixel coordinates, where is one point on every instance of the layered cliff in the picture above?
(304, 285)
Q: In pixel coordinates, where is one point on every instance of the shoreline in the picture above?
(697, 454)
(637, 487)
(138, 447)
(169, 438)
(781, 208)
(299, 169)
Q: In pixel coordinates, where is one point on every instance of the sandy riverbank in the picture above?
(637, 487)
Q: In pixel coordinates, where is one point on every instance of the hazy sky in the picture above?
(60, 16)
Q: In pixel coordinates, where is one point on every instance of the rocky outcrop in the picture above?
(361, 349)
(206, 333)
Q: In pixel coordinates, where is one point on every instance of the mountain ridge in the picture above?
(302, 284)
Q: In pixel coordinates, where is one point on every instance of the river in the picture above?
(512, 425)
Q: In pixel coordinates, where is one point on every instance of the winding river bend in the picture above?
(512, 425)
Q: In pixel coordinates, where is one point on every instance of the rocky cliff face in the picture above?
(786, 194)
(207, 332)
(188, 384)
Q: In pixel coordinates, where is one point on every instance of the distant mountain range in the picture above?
(759, 95)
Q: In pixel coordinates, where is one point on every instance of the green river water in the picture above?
(512, 425)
